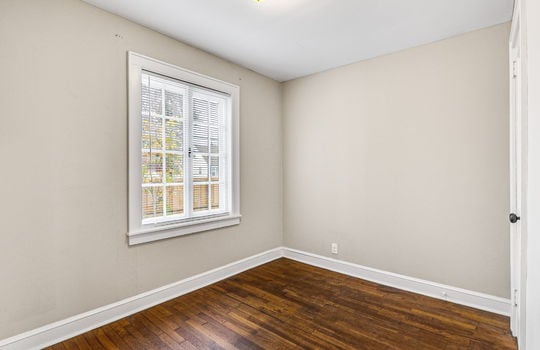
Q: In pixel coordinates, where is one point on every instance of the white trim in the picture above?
(435, 290)
(59, 331)
(515, 166)
(517, 291)
(70, 327)
(140, 232)
(154, 234)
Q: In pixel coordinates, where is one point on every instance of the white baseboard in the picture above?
(435, 290)
(56, 332)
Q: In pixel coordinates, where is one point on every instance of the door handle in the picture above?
(514, 218)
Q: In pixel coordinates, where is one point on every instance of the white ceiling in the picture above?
(286, 39)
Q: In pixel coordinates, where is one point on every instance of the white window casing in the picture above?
(183, 151)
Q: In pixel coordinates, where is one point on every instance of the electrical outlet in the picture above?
(334, 248)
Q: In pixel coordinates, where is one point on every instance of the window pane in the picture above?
(200, 138)
(175, 200)
(174, 135)
(214, 140)
(200, 168)
(152, 202)
(174, 104)
(214, 113)
(214, 168)
(215, 196)
(151, 98)
(174, 168)
(145, 95)
(152, 132)
(200, 110)
(200, 197)
(152, 167)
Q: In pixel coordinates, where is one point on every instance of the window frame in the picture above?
(143, 233)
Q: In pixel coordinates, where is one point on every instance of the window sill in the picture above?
(158, 233)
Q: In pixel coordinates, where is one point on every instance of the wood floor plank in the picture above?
(58, 347)
(93, 341)
(289, 305)
(107, 342)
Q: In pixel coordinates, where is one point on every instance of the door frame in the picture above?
(515, 60)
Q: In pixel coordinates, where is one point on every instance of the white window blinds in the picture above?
(184, 153)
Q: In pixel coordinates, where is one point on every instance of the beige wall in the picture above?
(403, 161)
(64, 173)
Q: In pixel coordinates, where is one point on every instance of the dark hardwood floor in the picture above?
(289, 305)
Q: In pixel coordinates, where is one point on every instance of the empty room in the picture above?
(270, 174)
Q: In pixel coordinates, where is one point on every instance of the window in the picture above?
(183, 151)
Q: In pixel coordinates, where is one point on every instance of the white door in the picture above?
(515, 171)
